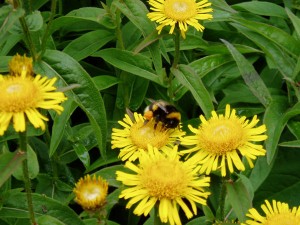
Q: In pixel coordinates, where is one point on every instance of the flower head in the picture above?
(137, 134)
(164, 180)
(91, 192)
(22, 97)
(221, 141)
(180, 13)
(20, 65)
(275, 214)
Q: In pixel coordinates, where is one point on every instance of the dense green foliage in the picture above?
(109, 57)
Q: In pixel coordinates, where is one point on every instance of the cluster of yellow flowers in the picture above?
(168, 168)
(164, 176)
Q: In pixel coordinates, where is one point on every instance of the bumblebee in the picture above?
(164, 113)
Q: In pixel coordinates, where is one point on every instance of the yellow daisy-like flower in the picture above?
(180, 13)
(20, 65)
(137, 134)
(221, 141)
(91, 192)
(278, 213)
(164, 180)
(22, 96)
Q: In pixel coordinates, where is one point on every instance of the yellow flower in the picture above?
(278, 213)
(221, 141)
(164, 180)
(137, 134)
(91, 192)
(180, 13)
(22, 96)
(20, 65)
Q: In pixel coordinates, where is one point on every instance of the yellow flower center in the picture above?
(91, 192)
(164, 179)
(18, 94)
(143, 134)
(221, 136)
(180, 10)
(286, 218)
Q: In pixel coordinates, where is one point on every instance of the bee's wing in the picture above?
(160, 103)
(130, 114)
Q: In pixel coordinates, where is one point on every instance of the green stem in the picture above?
(175, 62)
(47, 31)
(157, 220)
(27, 182)
(27, 6)
(25, 28)
(28, 38)
(177, 49)
(222, 198)
(118, 30)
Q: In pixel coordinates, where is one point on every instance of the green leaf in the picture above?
(82, 153)
(261, 8)
(104, 81)
(209, 63)
(9, 163)
(38, 3)
(59, 125)
(280, 59)
(294, 128)
(85, 18)
(295, 20)
(137, 64)
(260, 172)
(94, 221)
(88, 43)
(273, 34)
(112, 199)
(250, 76)
(8, 17)
(197, 221)
(54, 188)
(109, 174)
(15, 206)
(86, 95)
(100, 163)
(8, 43)
(223, 5)
(131, 91)
(275, 119)
(240, 195)
(34, 22)
(188, 77)
(136, 12)
(238, 93)
(290, 144)
(48, 220)
(33, 165)
(4, 61)
(282, 183)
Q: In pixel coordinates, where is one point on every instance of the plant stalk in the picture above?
(47, 31)
(175, 61)
(177, 49)
(222, 198)
(157, 220)
(27, 182)
(27, 6)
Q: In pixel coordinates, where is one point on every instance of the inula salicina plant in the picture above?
(149, 112)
